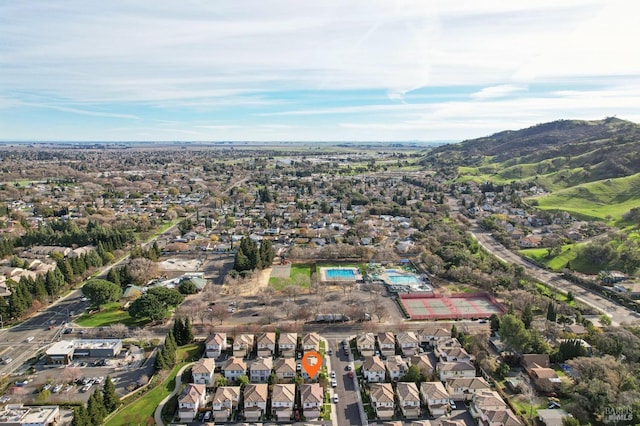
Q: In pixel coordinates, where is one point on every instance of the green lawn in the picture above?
(300, 276)
(110, 314)
(568, 254)
(142, 409)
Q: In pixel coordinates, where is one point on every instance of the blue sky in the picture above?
(334, 70)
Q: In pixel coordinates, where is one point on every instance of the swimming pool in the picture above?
(402, 279)
(341, 274)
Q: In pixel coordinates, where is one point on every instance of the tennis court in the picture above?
(464, 306)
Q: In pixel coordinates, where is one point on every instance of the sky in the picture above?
(330, 70)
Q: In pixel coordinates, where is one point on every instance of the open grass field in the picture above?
(110, 314)
(142, 409)
(300, 275)
(568, 254)
(600, 200)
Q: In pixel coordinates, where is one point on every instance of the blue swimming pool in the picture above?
(341, 273)
(402, 279)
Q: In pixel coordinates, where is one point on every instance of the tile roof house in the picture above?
(255, 401)
(202, 371)
(387, 343)
(283, 397)
(215, 344)
(260, 369)
(408, 399)
(287, 344)
(447, 370)
(436, 397)
(382, 399)
(366, 344)
(266, 344)
(408, 342)
(285, 369)
(463, 388)
(373, 369)
(190, 401)
(489, 409)
(311, 397)
(431, 335)
(451, 354)
(225, 401)
(396, 366)
(538, 368)
(243, 345)
(311, 342)
(234, 368)
(424, 364)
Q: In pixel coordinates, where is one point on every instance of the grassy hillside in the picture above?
(595, 200)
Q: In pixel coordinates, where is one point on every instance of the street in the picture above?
(347, 410)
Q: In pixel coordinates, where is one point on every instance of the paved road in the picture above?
(347, 410)
(45, 327)
(619, 314)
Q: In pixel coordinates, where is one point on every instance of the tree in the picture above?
(148, 305)
(141, 270)
(187, 287)
(413, 375)
(605, 320)
(527, 316)
(101, 292)
(109, 396)
(552, 314)
(95, 408)
(220, 381)
(242, 380)
(80, 416)
(514, 334)
(167, 296)
(494, 322)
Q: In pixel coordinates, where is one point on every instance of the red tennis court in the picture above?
(459, 306)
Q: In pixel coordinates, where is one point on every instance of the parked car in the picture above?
(334, 383)
(335, 398)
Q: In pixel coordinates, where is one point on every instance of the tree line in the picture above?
(252, 256)
(99, 405)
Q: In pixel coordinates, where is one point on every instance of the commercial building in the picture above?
(64, 351)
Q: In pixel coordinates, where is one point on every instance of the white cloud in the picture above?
(500, 91)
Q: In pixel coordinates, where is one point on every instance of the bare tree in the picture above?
(219, 312)
(71, 374)
(142, 270)
(265, 296)
(529, 394)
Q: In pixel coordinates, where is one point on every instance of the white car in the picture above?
(335, 398)
(334, 383)
(333, 374)
(29, 339)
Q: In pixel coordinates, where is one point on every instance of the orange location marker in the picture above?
(311, 362)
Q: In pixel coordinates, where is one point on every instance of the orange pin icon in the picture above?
(312, 362)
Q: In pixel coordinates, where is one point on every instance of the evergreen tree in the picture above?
(109, 396)
(178, 331)
(552, 315)
(527, 316)
(80, 416)
(161, 361)
(114, 276)
(187, 332)
(170, 341)
(67, 270)
(95, 408)
(241, 261)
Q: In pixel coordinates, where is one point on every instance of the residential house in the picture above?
(447, 370)
(489, 409)
(423, 362)
(311, 342)
(408, 342)
(260, 370)
(312, 398)
(287, 344)
(190, 401)
(382, 399)
(266, 344)
(202, 371)
(234, 368)
(432, 335)
(243, 345)
(408, 399)
(387, 343)
(366, 344)
(436, 397)
(283, 398)
(396, 366)
(451, 354)
(538, 368)
(373, 369)
(463, 388)
(532, 241)
(215, 345)
(255, 401)
(285, 369)
(225, 401)
(446, 342)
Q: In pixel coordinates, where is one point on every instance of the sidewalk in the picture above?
(157, 415)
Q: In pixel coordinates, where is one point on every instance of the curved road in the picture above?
(619, 314)
(157, 415)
